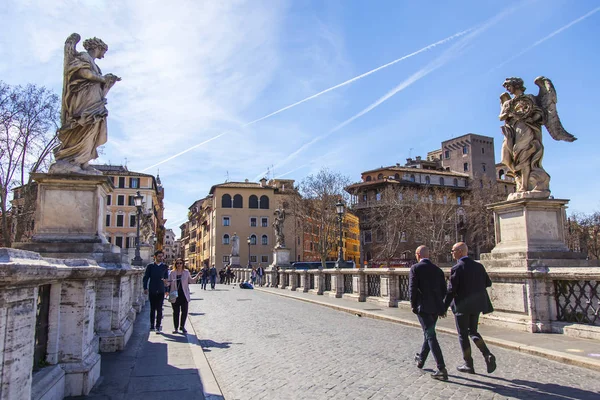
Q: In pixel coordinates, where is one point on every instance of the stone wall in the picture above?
(92, 307)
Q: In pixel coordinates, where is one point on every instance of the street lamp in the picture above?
(249, 241)
(340, 208)
(137, 201)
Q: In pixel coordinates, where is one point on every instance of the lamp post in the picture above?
(137, 201)
(249, 242)
(340, 208)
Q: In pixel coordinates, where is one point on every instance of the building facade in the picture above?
(169, 247)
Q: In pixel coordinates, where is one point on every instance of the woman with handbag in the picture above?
(179, 294)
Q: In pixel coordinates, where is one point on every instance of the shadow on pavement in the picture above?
(207, 344)
(523, 389)
(196, 314)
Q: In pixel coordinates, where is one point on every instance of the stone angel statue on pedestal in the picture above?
(83, 109)
(522, 149)
(278, 226)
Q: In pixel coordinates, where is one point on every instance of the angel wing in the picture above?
(547, 100)
(70, 54)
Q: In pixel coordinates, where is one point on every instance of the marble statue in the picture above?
(83, 109)
(235, 245)
(522, 149)
(278, 226)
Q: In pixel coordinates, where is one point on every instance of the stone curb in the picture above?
(210, 386)
(561, 357)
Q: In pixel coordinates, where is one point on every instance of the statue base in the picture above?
(234, 262)
(281, 258)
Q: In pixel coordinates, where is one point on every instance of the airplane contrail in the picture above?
(448, 55)
(349, 81)
(556, 32)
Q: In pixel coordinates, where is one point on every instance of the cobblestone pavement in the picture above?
(263, 346)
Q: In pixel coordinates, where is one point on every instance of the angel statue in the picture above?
(522, 149)
(235, 245)
(278, 225)
(83, 109)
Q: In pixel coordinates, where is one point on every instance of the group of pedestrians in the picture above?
(257, 275)
(466, 293)
(207, 275)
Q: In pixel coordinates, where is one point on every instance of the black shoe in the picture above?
(441, 374)
(490, 361)
(158, 329)
(151, 329)
(184, 331)
(466, 368)
(419, 360)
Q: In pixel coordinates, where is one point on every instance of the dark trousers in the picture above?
(430, 342)
(227, 279)
(156, 306)
(213, 281)
(466, 325)
(180, 305)
(204, 280)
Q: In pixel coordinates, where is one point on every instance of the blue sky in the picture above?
(203, 71)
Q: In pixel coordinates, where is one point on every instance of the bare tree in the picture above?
(28, 122)
(321, 193)
(584, 232)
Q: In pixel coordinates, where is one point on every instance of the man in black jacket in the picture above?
(468, 296)
(427, 288)
(157, 273)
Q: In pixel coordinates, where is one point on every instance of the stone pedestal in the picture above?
(234, 261)
(281, 257)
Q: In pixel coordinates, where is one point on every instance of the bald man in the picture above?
(468, 296)
(427, 288)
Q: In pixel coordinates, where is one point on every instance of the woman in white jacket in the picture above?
(179, 279)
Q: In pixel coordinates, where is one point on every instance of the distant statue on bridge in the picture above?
(278, 226)
(83, 109)
(522, 149)
(235, 245)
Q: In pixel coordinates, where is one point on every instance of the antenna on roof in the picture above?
(410, 152)
(226, 176)
(272, 171)
(125, 161)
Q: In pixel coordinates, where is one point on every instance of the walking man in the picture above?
(155, 278)
(427, 288)
(213, 276)
(468, 296)
(260, 273)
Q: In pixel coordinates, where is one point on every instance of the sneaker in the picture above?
(175, 332)
(441, 374)
(466, 368)
(151, 329)
(158, 329)
(184, 331)
(490, 361)
(419, 360)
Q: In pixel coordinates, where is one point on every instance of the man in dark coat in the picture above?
(427, 288)
(156, 274)
(468, 296)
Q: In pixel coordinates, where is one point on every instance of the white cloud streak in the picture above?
(314, 96)
(448, 55)
(556, 32)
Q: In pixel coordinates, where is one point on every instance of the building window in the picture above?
(265, 240)
(412, 178)
(378, 196)
(108, 200)
(107, 219)
(253, 202)
(121, 182)
(368, 178)
(264, 202)
(121, 200)
(455, 182)
(445, 199)
(483, 167)
(397, 176)
(226, 239)
(264, 222)
(365, 197)
(226, 201)
(466, 166)
(447, 154)
(427, 180)
(119, 241)
(253, 240)
(252, 259)
(226, 259)
(120, 219)
(264, 259)
(465, 149)
(379, 236)
(368, 238)
(442, 182)
(132, 221)
(483, 150)
(130, 201)
(253, 221)
(459, 200)
(109, 239)
(134, 183)
(379, 177)
(225, 221)
(238, 201)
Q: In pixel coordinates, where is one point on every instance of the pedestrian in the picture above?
(155, 279)
(427, 289)
(213, 276)
(204, 273)
(260, 274)
(253, 276)
(468, 295)
(228, 274)
(222, 276)
(179, 279)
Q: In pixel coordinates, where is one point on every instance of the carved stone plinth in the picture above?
(281, 257)
(234, 261)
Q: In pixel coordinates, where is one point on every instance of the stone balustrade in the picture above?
(56, 316)
(546, 299)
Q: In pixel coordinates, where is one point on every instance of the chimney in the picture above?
(246, 180)
(263, 182)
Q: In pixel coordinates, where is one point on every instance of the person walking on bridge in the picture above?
(427, 289)
(154, 281)
(468, 296)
